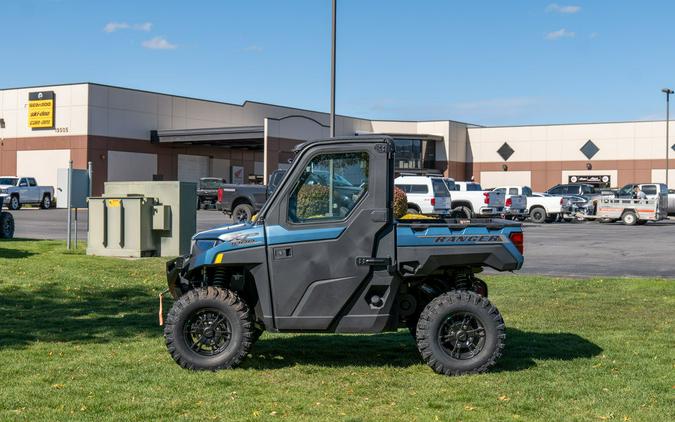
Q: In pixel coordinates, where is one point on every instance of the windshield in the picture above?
(626, 190)
(473, 187)
(8, 181)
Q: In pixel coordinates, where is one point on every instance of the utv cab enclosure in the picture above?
(327, 255)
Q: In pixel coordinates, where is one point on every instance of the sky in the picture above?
(481, 62)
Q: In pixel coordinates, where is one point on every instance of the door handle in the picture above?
(282, 253)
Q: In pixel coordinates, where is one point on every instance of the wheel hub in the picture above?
(207, 332)
(461, 336)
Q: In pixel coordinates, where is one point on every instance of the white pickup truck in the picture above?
(470, 199)
(25, 190)
(540, 208)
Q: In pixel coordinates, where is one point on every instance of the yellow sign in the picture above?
(114, 203)
(41, 110)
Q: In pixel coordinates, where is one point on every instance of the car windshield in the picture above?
(211, 183)
(450, 184)
(626, 190)
(473, 187)
(8, 181)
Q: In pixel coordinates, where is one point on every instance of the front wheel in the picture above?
(460, 332)
(209, 329)
(14, 203)
(6, 225)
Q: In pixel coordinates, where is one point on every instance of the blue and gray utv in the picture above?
(326, 254)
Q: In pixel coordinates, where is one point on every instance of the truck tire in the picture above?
(6, 225)
(460, 332)
(14, 203)
(242, 213)
(209, 329)
(462, 212)
(538, 215)
(46, 202)
(629, 218)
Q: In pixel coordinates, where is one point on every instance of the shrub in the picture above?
(312, 202)
(400, 203)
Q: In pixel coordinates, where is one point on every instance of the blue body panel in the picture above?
(234, 237)
(277, 234)
(436, 235)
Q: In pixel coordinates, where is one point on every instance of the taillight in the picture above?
(508, 202)
(517, 239)
(220, 194)
(561, 200)
(487, 198)
(433, 202)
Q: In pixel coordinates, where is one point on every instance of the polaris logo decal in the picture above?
(483, 238)
(242, 239)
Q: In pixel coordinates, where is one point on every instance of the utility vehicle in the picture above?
(320, 258)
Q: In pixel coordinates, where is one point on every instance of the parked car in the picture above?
(426, 194)
(469, 199)
(25, 190)
(540, 208)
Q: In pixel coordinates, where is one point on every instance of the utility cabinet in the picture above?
(139, 219)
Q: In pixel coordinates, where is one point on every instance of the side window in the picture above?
(513, 191)
(440, 190)
(329, 188)
(649, 189)
(32, 182)
(419, 189)
(500, 190)
(557, 190)
(527, 191)
(404, 188)
(23, 182)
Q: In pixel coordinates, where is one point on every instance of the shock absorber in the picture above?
(219, 277)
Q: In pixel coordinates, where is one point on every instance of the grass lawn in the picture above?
(79, 340)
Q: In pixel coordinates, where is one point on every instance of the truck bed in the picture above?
(425, 247)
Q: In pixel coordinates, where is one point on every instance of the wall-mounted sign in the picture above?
(41, 110)
(237, 174)
(603, 181)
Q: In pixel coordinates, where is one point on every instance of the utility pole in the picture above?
(332, 73)
(667, 91)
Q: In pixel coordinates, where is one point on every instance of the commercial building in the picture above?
(130, 134)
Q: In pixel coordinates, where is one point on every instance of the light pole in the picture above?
(667, 91)
(332, 73)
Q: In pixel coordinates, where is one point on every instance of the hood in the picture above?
(222, 232)
(6, 186)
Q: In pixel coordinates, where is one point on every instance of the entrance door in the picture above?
(328, 216)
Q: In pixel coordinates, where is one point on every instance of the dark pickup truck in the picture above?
(320, 258)
(241, 202)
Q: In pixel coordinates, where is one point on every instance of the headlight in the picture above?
(4, 190)
(202, 245)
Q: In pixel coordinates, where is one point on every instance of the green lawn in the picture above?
(79, 340)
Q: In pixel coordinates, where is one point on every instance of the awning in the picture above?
(251, 137)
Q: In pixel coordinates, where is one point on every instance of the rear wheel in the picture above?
(6, 225)
(538, 215)
(460, 332)
(629, 218)
(209, 329)
(462, 212)
(46, 202)
(242, 213)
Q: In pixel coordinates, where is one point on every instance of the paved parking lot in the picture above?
(566, 249)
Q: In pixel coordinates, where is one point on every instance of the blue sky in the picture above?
(492, 63)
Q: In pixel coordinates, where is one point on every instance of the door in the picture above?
(33, 191)
(326, 220)
(24, 191)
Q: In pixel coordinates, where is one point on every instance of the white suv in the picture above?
(426, 194)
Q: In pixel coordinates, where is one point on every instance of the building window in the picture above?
(416, 154)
